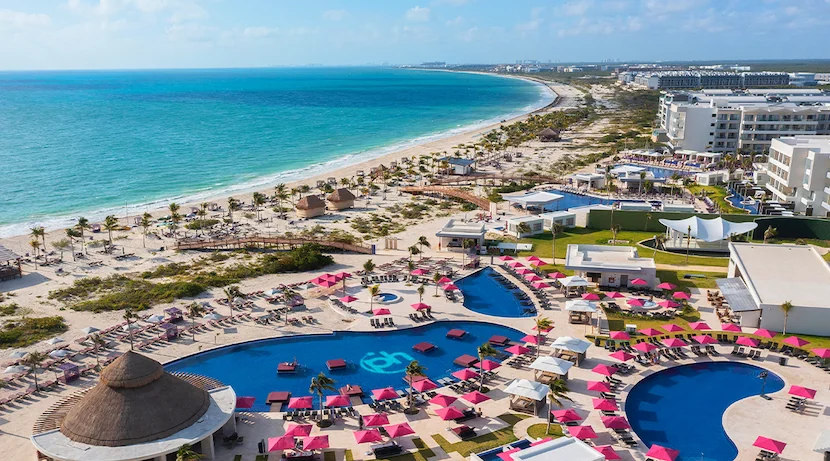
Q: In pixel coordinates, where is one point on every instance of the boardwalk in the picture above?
(497, 177)
(268, 242)
(480, 202)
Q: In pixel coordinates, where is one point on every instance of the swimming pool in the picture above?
(387, 298)
(374, 359)
(735, 199)
(682, 407)
(571, 200)
(485, 295)
(660, 172)
(493, 454)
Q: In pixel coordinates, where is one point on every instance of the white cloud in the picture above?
(335, 15)
(470, 34)
(418, 14)
(22, 19)
(260, 31)
(671, 6)
(458, 20)
(462, 2)
(576, 8)
(192, 33)
(615, 5)
(533, 24)
(188, 12)
(602, 26)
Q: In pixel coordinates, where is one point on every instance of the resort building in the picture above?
(310, 206)
(340, 199)
(799, 173)
(136, 412)
(611, 266)
(763, 277)
(534, 202)
(453, 234)
(588, 180)
(667, 80)
(710, 235)
(726, 121)
(549, 135)
(459, 166)
(537, 224)
(561, 449)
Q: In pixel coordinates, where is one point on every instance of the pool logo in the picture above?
(385, 363)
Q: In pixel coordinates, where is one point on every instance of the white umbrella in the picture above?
(213, 316)
(55, 340)
(155, 318)
(15, 369)
(89, 330)
(18, 354)
(59, 354)
(130, 326)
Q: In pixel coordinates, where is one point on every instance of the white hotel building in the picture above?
(799, 172)
(725, 120)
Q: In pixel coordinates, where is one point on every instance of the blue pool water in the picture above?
(735, 199)
(388, 297)
(571, 200)
(682, 407)
(660, 172)
(375, 359)
(485, 295)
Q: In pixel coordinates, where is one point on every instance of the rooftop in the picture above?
(455, 228)
(606, 257)
(819, 144)
(562, 449)
(804, 279)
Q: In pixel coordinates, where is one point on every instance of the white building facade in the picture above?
(799, 172)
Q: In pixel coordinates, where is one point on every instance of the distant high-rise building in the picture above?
(668, 80)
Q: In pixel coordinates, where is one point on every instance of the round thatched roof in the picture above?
(136, 401)
(310, 202)
(547, 132)
(340, 195)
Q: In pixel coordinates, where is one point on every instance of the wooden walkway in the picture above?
(268, 242)
(480, 202)
(497, 177)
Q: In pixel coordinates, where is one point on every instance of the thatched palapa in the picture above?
(310, 206)
(549, 135)
(340, 199)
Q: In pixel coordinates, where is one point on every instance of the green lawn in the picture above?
(423, 453)
(485, 441)
(539, 431)
(676, 277)
(542, 244)
(718, 195)
(617, 321)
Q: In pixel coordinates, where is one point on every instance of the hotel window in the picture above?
(749, 118)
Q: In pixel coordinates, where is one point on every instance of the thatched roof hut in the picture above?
(549, 135)
(340, 199)
(310, 206)
(136, 401)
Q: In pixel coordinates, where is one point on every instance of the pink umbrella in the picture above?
(442, 400)
(530, 339)
(668, 304)
(764, 333)
(557, 275)
(650, 332)
(517, 349)
(385, 393)
(538, 263)
(730, 327)
(822, 352)
(666, 286)
(245, 402)
(769, 444)
(614, 295)
(699, 326)
(533, 258)
(316, 442)
(465, 374)
(599, 386)
(566, 416)
(375, 419)
(298, 430)
(674, 342)
(532, 278)
(343, 275)
(608, 452)
(639, 282)
(681, 295)
(582, 432)
(540, 285)
(671, 328)
(705, 339)
(398, 430)
(524, 271)
(622, 356)
(348, 299)
(444, 280)
(805, 392)
(489, 365)
(745, 341)
(449, 413)
(506, 258)
(335, 277)
(620, 335)
(795, 341)
(636, 302)
(285, 442)
(515, 264)
(419, 272)
(381, 311)
(337, 401)
(605, 404)
(604, 370)
(544, 330)
(300, 403)
(662, 453)
(450, 287)
(615, 422)
(326, 283)
(645, 347)
(421, 306)
(475, 397)
(367, 436)
(590, 297)
(424, 385)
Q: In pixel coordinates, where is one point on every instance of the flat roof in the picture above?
(561, 449)
(779, 273)
(455, 228)
(739, 298)
(819, 144)
(606, 257)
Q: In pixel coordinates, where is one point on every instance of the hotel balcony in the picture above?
(787, 195)
(826, 205)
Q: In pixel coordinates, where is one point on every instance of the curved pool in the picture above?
(483, 293)
(387, 298)
(373, 359)
(682, 407)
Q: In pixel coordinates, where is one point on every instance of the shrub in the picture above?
(202, 224)
(30, 330)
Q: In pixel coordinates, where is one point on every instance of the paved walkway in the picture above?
(675, 267)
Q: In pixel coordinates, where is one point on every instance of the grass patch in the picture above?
(676, 277)
(329, 456)
(618, 320)
(349, 455)
(423, 453)
(28, 331)
(718, 195)
(540, 431)
(485, 441)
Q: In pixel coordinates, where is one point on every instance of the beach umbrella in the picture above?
(55, 340)
(566, 416)
(326, 283)
(681, 295)
(620, 335)
(544, 330)
(348, 299)
(381, 311)
(674, 342)
(556, 275)
(385, 393)
(615, 422)
(651, 332)
(420, 306)
(475, 397)
(538, 262)
(622, 356)
(662, 453)
(590, 297)
(668, 304)
(399, 430)
(506, 258)
(18, 354)
(804, 392)
(582, 432)
(822, 352)
(599, 386)
(15, 369)
(155, 318)
(795, 341)
(59, 354)
(316, 442)
(375, 419)
(532, 278)
(699, 326)
(746, 341)
(608, 452)
(342, 275)
(639, 282)
(636, 302)
(515, 264)
(212, 316)
(367, 436)
(524, 271)
(645, 347)
(730, 327)
(540, 285)
(338, 401)
(672, 328)
(666, 286)
(89, 330)
(286, 442)
(489, 365)
(517, 349)
(764, 333)
(444, 280)
(605, 404)
(530, 339)
(705, 339)
(245, 402)
(298, 430)
(450, 287)
(614, 295)
(419, 271)
(465, 374)
(449, 413)
(769, 444)
(604, 370)
(424, 385)
(533, 258)
(443, 400)
(301, 403)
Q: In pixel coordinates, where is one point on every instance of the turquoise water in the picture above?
(90, 142)
(485, 295)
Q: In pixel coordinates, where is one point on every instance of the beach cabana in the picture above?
(9, 264)
(526, 396)
(174, 314)
(340, 199)
(169, 331)
(549, 135)
(68, 372)
(573, 349)
(547, 369)
(580, 310)
(310, 206)
(705, 234)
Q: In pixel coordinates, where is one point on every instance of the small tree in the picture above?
(369, 266)
(33, 361)
(186, 453)
(421, 289)
(232, 292)
(71, 235)
(555, 228)
(413, 250)
(786, 307)
(146, 222)
(97, 342)
(61, 245)
(522, 229)
(194, 310)
(615, 229)
(648, 219)
(81, 226)
(769, 233)
(659, 242)
(412, 370)
(35, 244)
(129, 316)
(557, 392)
(542, 323)
(436, 276)
(374, 290)
(423, 242)
(319, 385)
(40, 233)
(110, 224)
(484, 351)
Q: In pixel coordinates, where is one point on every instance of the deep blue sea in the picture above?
(90, 142)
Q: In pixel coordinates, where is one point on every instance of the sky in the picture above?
(116, 34)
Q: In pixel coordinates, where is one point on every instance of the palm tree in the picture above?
(557, 392)
(421, 289)
(320, 384)
(542, 323)
(413, 250)
(412, 370)
(435, 278)
(484, 351)
(659, 242)
(233, 205)
(186, 453)
(81, 226)
(110, 224)
(374, 290)
(369, 266)
(201, 213)
(615, 229)
(40, 233)
(35, 244)
(175, 217)
(522, 229)
(642, 179)
(786, 307)
(129, 316)
(33, 361)
(194, 310)
(423, 242)
(281, 194)
(232, 292)
(769, 233)
(555, 228)
(97, 342)
(71, 234)
(146, 221)
(688, 242)
(258, 201)
(648, 219)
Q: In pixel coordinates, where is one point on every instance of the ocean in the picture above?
(93, 143)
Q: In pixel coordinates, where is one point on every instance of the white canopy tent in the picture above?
(526, 396)
(708, 234)
(580, 305)
(552, 365)
(574, 281)
(626, 169)
(570, 348)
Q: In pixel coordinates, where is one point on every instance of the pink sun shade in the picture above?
(367, 436)
(298, 430)
(662, 453)
(475, 397)
(317, 442)
(398, 430)
(608, 452)
(681, 295)
(804, 392)
(620, 335)
(769, 444)
(443, 400)
(286, 442)
(622, 356)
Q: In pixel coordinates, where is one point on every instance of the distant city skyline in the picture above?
(115, 34)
